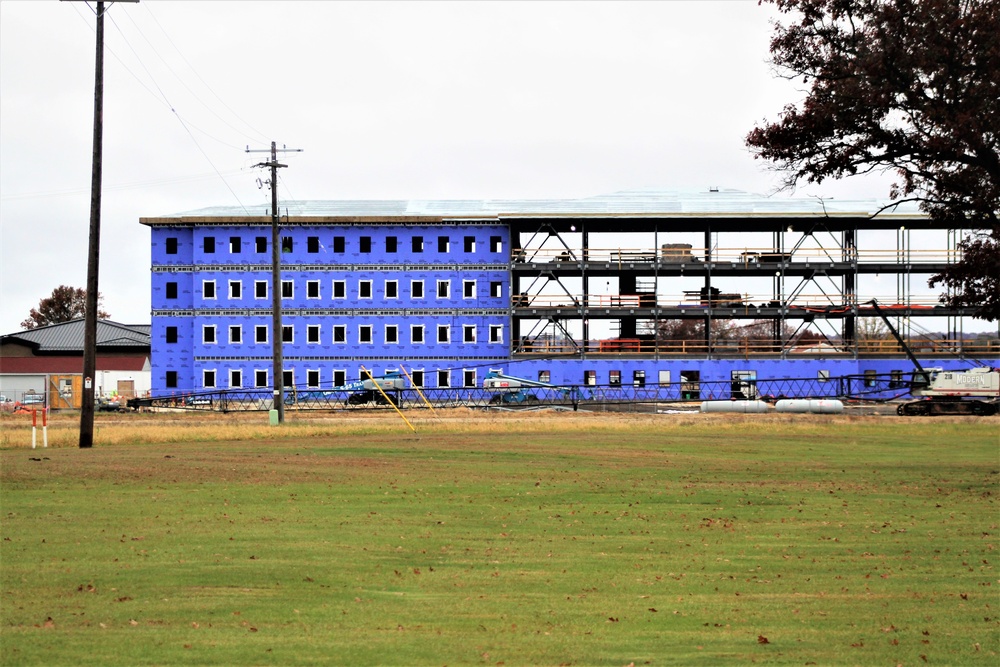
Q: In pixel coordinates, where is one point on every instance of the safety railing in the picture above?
(680, 253)
(747, 347)
(699, 299)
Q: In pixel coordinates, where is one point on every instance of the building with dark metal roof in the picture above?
(49, 361)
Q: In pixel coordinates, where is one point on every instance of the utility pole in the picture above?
(276, 329)
(94, 244)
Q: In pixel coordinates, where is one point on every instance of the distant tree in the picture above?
(871, 328)
(693, 331)
(65, 304)
(905, 86)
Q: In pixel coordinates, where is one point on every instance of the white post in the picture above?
(45, 428)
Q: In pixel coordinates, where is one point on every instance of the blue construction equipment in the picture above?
(515, 390)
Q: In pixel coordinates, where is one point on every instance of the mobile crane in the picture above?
(970, 392)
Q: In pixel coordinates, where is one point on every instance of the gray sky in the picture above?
(389, 100)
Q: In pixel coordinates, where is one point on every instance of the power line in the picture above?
(120, 186)
(179, 119)
(162, 100)
(188, 88)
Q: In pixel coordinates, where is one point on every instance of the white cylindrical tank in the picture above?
(734, 406)
(816, 405)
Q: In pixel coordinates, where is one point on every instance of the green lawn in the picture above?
(674, 540)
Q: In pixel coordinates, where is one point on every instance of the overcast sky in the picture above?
(389, 100)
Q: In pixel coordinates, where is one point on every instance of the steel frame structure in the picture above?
(558, 254)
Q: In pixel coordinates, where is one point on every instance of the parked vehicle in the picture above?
(371, 396)
(108, 405)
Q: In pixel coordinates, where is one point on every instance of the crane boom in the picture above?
(899, 339)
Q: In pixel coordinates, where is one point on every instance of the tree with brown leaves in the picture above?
(66, 303)
(904, 86)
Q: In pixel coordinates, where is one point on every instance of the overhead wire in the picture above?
(162, 98)
(159, 99)
(119, 186)
(195, 72)
(178, 116)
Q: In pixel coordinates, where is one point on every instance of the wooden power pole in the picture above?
(94, 244)
(276, 329)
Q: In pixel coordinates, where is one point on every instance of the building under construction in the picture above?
(640, 288)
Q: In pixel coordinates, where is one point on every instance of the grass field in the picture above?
(511, 539)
